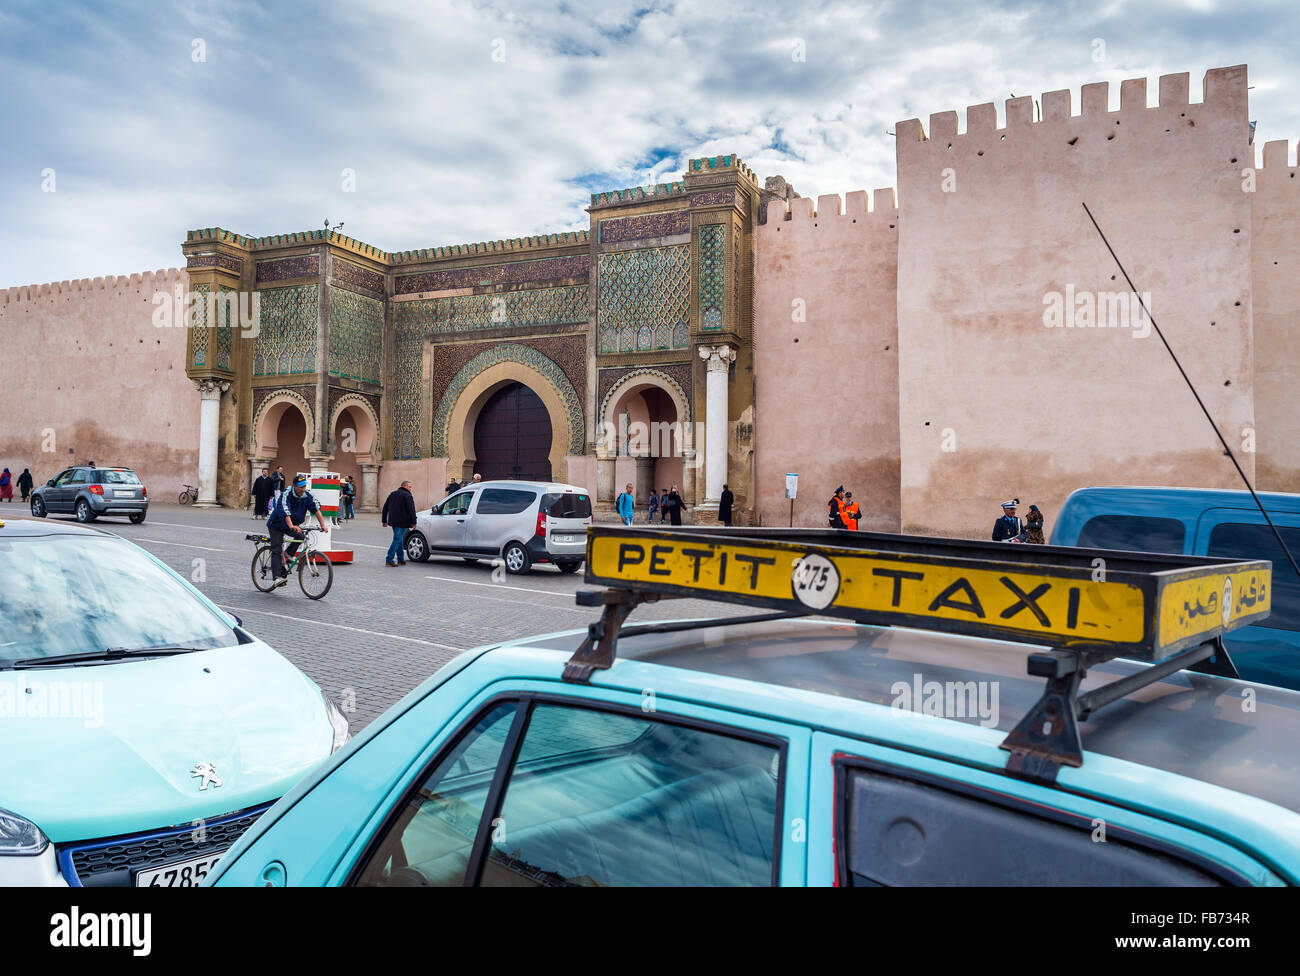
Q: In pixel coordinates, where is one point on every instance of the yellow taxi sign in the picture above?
(1041, 594)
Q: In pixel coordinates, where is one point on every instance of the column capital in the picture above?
(718, 358)
(368, 467)
(211, 389)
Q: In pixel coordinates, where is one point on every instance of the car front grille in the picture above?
(112, 861)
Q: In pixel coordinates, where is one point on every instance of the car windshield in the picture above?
(116, 476)
(76, 594)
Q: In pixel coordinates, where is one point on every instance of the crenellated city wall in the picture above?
(86, 375)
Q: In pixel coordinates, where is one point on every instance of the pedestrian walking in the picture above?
(6, 486)
(851, 512)
(25, 483)
(654, 507)
(1034, 527)
(263, 489)
(725, 504)
(663, 506)
(675, 505)
(349, 498)
(278, 484)
(1009, 528)
(624, 504)
(835, 509)
(287, 518)
(399, 515)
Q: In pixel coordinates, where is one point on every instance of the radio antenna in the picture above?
(1201, 403)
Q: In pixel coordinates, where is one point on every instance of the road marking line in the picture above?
(212, 528)
(498, 586)
(160, 542)
(359, 630)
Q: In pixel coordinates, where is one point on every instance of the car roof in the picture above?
(537, 485)
(1230, 497)
(1191, 724)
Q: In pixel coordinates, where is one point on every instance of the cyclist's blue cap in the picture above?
(300, 480)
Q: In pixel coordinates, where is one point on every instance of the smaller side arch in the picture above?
(374, 450)
(266, 422)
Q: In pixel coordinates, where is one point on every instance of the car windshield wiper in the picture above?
(107, 654)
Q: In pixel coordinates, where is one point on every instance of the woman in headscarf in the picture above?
(1034, 527)
(6, 486)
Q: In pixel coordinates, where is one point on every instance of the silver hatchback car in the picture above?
(520, 522)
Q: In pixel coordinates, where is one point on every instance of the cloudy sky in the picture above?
(474, 121)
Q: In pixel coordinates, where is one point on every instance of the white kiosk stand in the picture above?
(327, 488)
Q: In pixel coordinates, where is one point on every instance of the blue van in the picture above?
(1205, 522)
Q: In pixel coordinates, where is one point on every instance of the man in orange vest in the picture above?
(851, 512)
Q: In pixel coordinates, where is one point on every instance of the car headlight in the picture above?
(19, 836)
(338, 722)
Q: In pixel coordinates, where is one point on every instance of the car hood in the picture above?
(97, 751)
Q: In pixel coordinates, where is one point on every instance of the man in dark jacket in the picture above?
(399, 514)
(1009, 528)
(262, 492)
(724, 505)
(453, 486)
(674, 506)
(287, 516)
(278, 483)
(835, 509)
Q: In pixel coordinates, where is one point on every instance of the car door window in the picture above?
(80, 477)
(504, 501)
(430, 839)
(1133, 533)
(899, 831)
(604, 798)
(63, 478)
(1241, 540)
(458, 504)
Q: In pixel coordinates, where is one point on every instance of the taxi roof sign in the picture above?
(1089, 605)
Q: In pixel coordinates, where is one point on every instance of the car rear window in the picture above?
(1135, 533)
(504, 501)
(116, 476)
(569, 504)
(1242, 540)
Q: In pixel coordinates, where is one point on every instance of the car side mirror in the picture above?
(50, 483)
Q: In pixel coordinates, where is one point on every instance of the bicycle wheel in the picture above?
(262, 577)
(315, 575)
(184, 498)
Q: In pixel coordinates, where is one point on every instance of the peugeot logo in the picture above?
(207, 773)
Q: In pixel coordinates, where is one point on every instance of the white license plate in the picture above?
(120, 493)
(180, 874)
(564, 538)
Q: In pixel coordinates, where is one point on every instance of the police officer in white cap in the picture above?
(1009, 528)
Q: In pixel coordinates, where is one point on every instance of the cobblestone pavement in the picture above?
(379, 631)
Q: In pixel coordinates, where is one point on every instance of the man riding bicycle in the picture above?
(287, 516)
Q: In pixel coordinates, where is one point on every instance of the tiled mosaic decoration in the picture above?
(504, 310)
(227, 322)
(356, 336)
(286, 339)
(302, 266)
(645, 225)
(199, 327)
(409, 331)
(713, 276)
(356, 278)
(644, 299)
(514, 273)
(515, 353)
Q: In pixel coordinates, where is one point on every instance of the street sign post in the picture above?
(791, 489)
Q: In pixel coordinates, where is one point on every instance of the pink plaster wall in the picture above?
(1035, 412)
(84, 360)
(428, 478)
(1275, 253)
(826, 388)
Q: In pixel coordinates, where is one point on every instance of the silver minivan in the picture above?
(519, 522)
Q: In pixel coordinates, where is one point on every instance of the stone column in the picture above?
(210, 391)
(318, 464)
(368, 496)
(605, 492)
(716, 416)
(645, 469)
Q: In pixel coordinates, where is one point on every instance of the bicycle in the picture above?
(315, 574)
(190, 494)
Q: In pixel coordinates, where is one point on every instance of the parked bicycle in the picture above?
(315, 574)
(190, 494)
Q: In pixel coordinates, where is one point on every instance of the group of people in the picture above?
(269, 487)
(668, 505)
(454, 486)
(842, 511)
(1011, 528)
(7, 487)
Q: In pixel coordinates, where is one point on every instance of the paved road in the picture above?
(380, 631)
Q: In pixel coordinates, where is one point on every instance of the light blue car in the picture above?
(142, 729)
(822, 752)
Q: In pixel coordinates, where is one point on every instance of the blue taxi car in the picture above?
(903, 745)
(142, 729)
